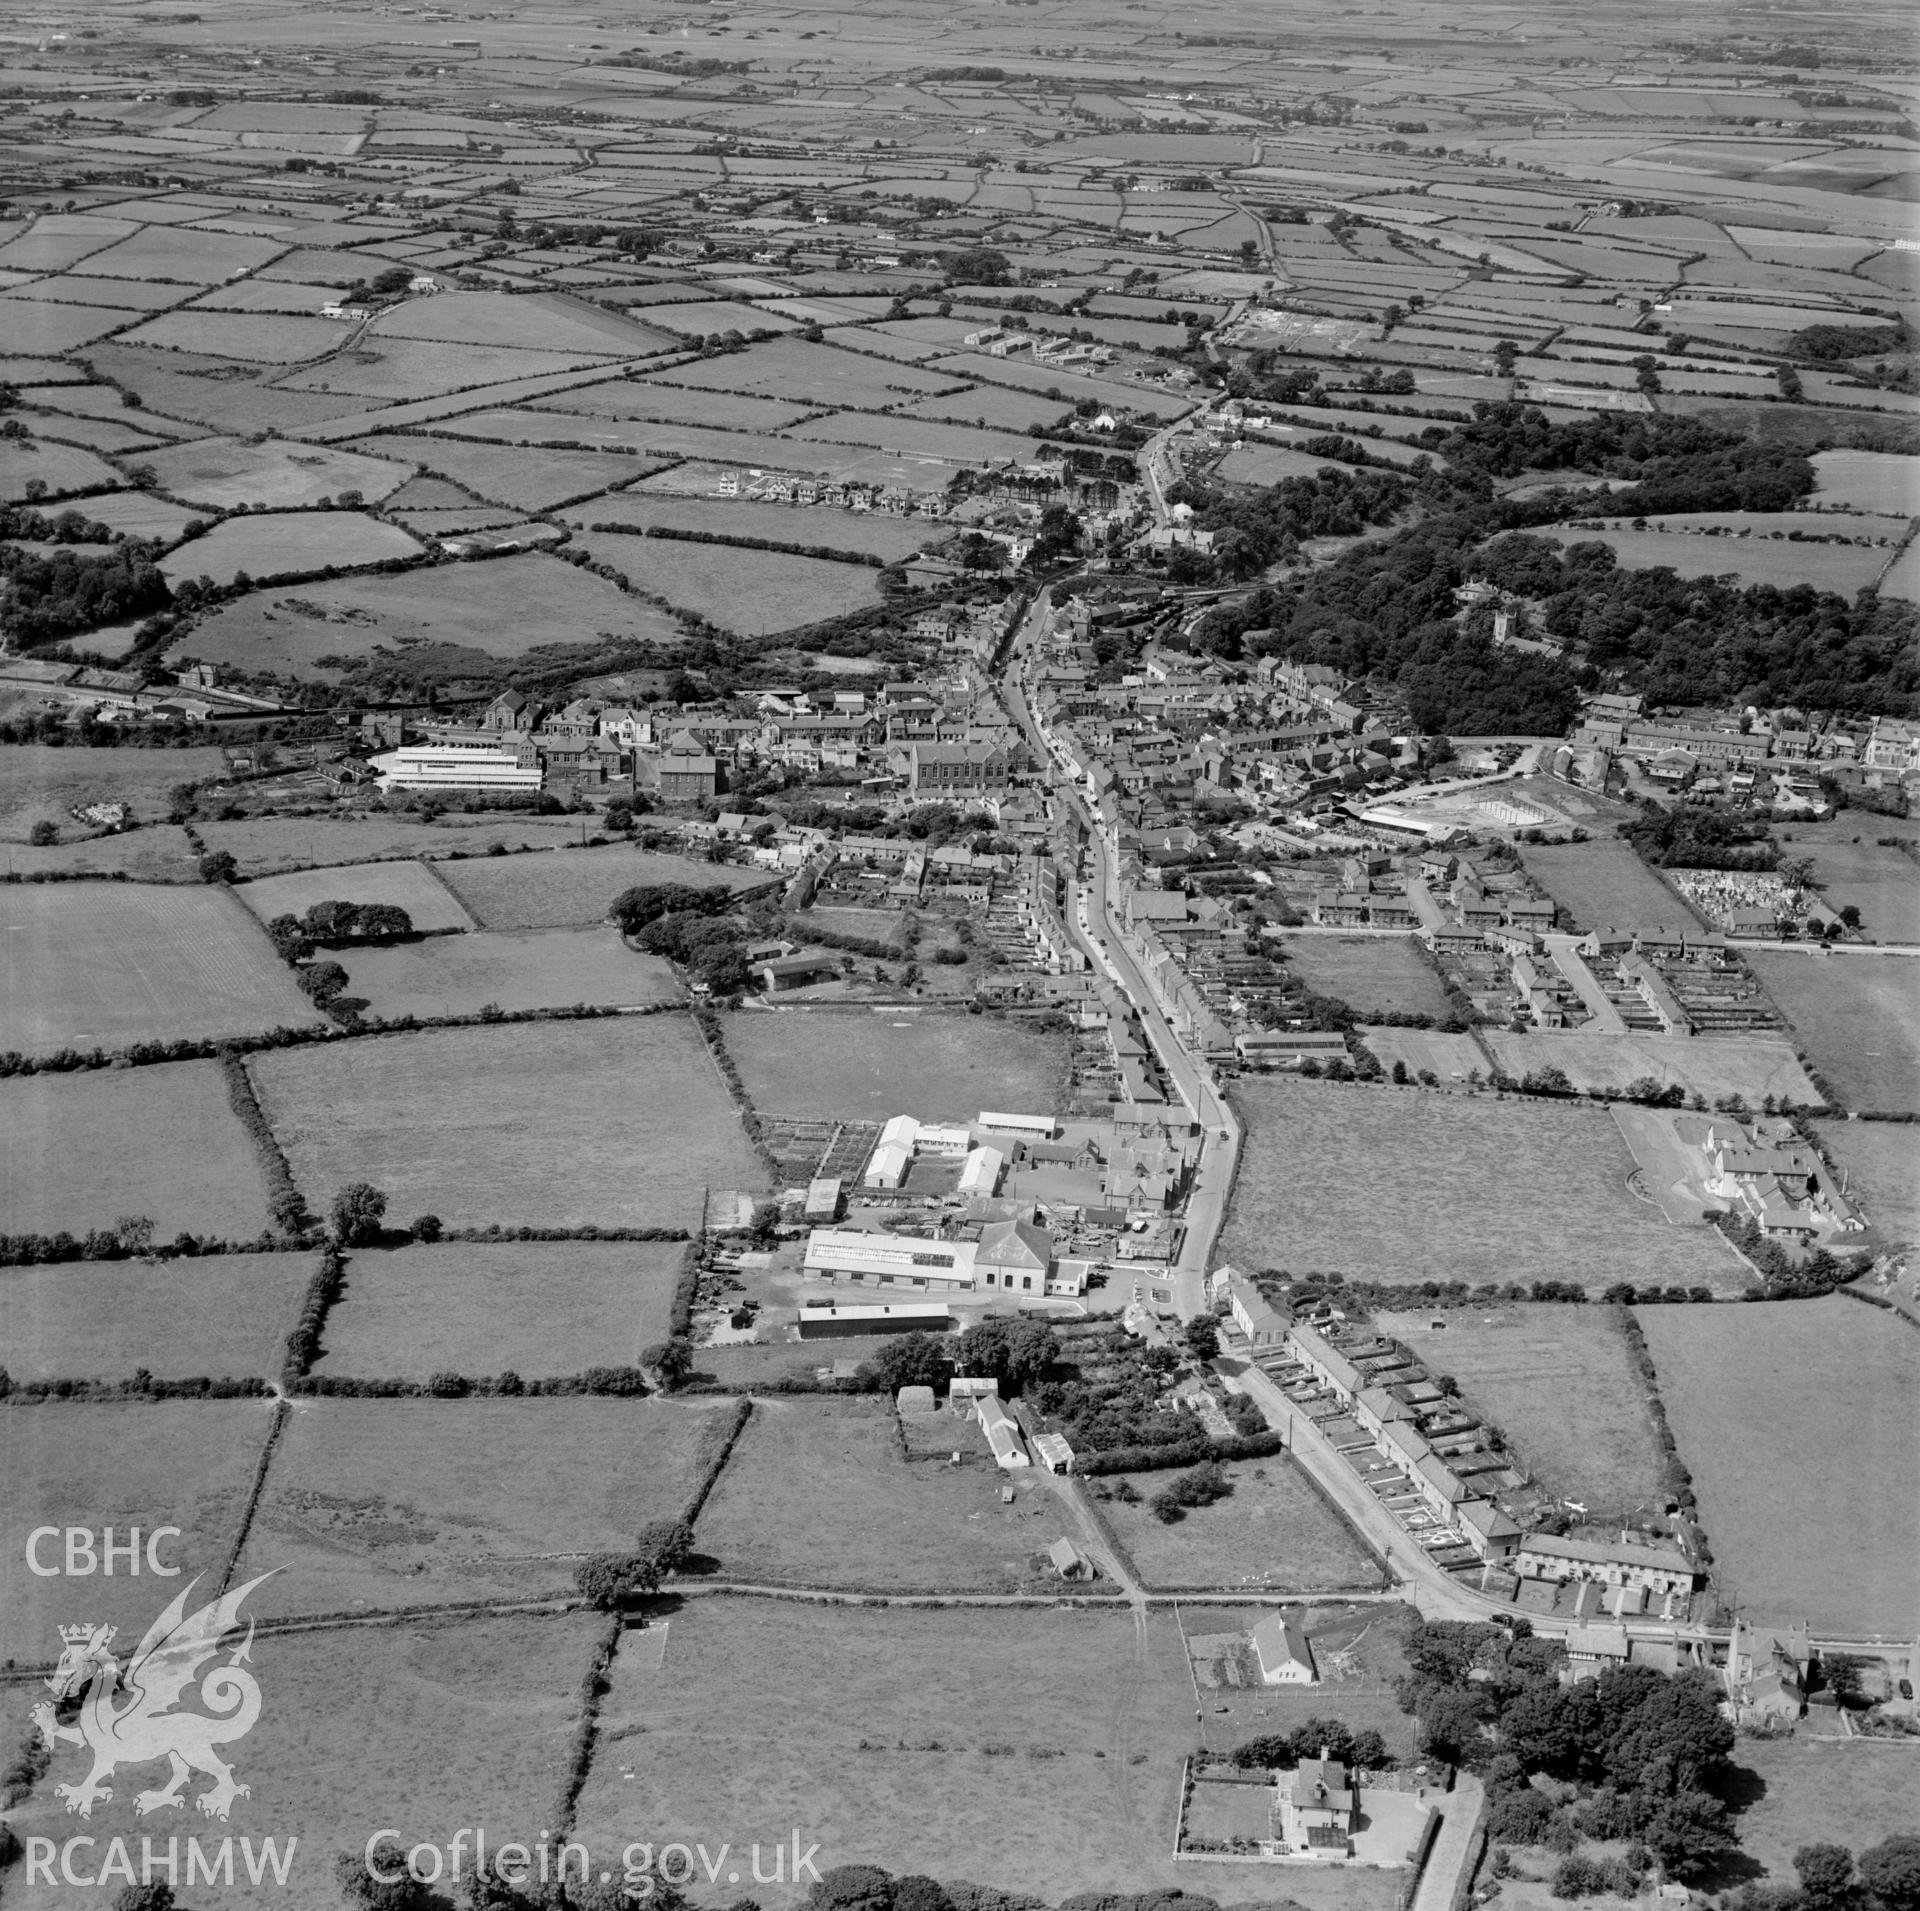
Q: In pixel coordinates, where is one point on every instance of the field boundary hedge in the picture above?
(1679, 1480)
(284, 1200)
(622, 1383)
(303, 1342)
(784, 547)
(723, 1452)
(28, 1393)
(282, 1413)
(586, 1735)
(708, 1023)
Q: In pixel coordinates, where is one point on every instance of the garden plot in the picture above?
(223, 472)
(429, 903)
(269, 544)
(106, 964)
(384, 1503)
(508, 969)
(79, 1151)
(540, 1308)
(573, 886)
(538, 1124)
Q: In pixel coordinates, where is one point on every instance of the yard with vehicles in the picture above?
(1603, 885)
(1808, 1405)
(610, 1122)
(868, 1067)
(822, 1494)
(543, 1309)
(1375, 975)
(98, 964)
(1858, 1017)
(375, 1504)
(79, 1151)
(1558, 1383)
(147, 1463)
(572, 887)
(508, 969)
(1395, 1185)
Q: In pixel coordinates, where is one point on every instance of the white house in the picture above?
(1284, 1652)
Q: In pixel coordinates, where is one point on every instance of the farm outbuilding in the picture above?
(1069, 1561)
(831, 1321)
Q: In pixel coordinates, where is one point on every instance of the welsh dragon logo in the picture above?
(149, 1725)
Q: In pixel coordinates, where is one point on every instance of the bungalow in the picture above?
(1284, 1652)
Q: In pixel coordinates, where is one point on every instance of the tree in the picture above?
(1841, 1673)
(426, 1227)
(610, 1581)
(357, 1212)
(1891, 1871)
(355, 1873)
(218, 866)
(914, 1360)
(44, 833)
(1202, 1336)
(1013, 1352)
(157, 1896)
(672, 1360)
(1826, 1876)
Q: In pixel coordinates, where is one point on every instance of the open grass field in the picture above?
(1859, 1017)
(541, 1308)
(1373, 973)
(729, 1737)
(1755, 1066)
(63, 469)
(39, 784)
(751, 592)
(837, 530)
(223, 472)
(616, 1123)
(159, 854)
(222, 1315)
(104, 964)
(1602, 884)
(383, 1503)
(79, 1151)
(1844, 568)
(1451, 1057)
(1803, 1792)
(818, 1493)
(1883, 1178)
(268, 845)
(543, 321)
(1273, 1531)
(865, 1068)
(150, 1463)
(516, 474)
(819, 375)
(1391, 1185)
(1808, 1405)
(511, 969)
(270, 543)
(396, 370)
(1868, 480)
(572, 886)
(439, 1725)
(429, 903)
(1879, 879)
(506, 607)
(1558, 1384)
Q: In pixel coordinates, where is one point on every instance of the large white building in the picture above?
(490, 764)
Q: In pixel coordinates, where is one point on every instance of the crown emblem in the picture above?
(79, 1635)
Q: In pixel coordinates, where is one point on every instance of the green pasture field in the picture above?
(385, 1503)
(258, 338)
(106, 435)
(1373, 973)
(1268, 464)
(1602, 884)
(271, 845)
(222, 1315)
(879, 532)
(1558, 1383)
(180, 255)
(1501, 1190)
(1273, 1531)
(724, 1730)
(523, 476)
(544, 321)
(1844, 568)
(1882, 881)
(268, 543)
(574, 886)
(1868, 480)
(672, 404)
(812, 374)
(1755, 1066)
(542, 1308)
(160, 853)
(1808, 1405)
(45, 329)
(507, 607)
(105, 964)
(222, 472)
(437, 1724)
(615, 1123)
(63, 469)
(147, 1463)
(57, 240)
(78, 1151)
(399, 369)
(1877, 1157)
(1859, 1016)
(411, 886)
(752, 592)
(512, 969)
(1810, 1792)
(1450, 1057)
(870, 1067)
(139, 514)
(957, 444)
(819, 1494)
(41, 784)
(987, 406)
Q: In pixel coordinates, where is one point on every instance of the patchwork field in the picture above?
(223, 472)
(540, 1308)
(384, 1503)
(1755, 1066)
(79, 1151)
(1524, 1191)
(509, 969)
(1602, 884)
(1373, 973)
(875, 531)
(436, 1724)
(819, 1494)
(1859, 1016)
(620, 1123)
(406, 885)
(1272, 1531)
(938, 1067)
(267, 544)
(1558, 1383)
(39, 784)
(1845, 1379)
(152, 1463)
(226, 1316)
(104, 964)
(752, 592)
(572, 886)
